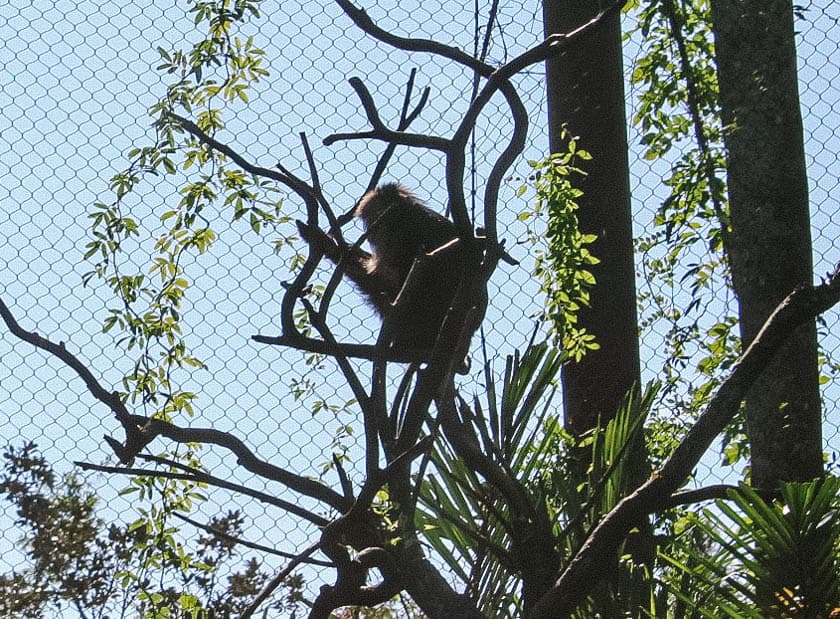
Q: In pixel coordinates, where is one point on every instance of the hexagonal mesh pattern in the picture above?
(76, 83)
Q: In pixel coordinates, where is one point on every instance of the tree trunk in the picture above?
(771, 235)
(586, 92)
(585, 87)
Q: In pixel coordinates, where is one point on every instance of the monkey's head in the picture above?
(387, 213)
(377, 201)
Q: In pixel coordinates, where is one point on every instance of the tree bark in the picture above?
(771, 235)
(585, 89)
(586, 92)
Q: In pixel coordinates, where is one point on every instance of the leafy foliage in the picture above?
(767, 559)
(211, 74)
(684, 255)
(562, 264)
(461, 519)
(217, 70)
(111, 570)
(468, 526)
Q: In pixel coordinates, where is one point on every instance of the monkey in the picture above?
(401, 229)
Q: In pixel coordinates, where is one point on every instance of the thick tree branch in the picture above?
(469, 450)
(362, 530)
(424, 583)
(576, 581)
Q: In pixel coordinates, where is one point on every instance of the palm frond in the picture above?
(778, 559)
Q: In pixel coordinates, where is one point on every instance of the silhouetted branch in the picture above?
(238, 540)
(381, 132)
(152, 428)
(278, 580)
(111, 399)
(203, 478)
(406, 118)
(300, 187)
(698, 495)
(358, 351)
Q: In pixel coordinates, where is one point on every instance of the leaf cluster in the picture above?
(78, 561)
(764, 558)
(563, 259)
(576, 480)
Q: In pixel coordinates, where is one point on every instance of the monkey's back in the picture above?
(400, 227)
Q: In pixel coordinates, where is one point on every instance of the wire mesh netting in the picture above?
(77, 81)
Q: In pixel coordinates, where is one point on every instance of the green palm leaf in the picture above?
(776, 559)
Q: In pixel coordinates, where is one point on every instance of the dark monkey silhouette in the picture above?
(401, 229)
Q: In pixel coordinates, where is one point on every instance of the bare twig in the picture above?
(243, 542)
(203, 478)
(278, 580)
(300, 187)
(406, 118)
(343, 478)
(317, 190)
(368, 416)
(359, 351)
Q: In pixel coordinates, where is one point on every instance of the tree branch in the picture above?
(278, 580)
(245, 457)
(203, 478)
(498, 80)
(698, 495)
(359, 351)
(238, 540)
(300, 187)
(110, 398)
(654, 495)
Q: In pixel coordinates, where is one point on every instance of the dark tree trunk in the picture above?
(770, 246)
(586, 92)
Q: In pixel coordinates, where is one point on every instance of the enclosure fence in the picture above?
(75, 86)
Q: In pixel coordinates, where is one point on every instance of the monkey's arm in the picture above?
(354, 262)
(351, 258)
